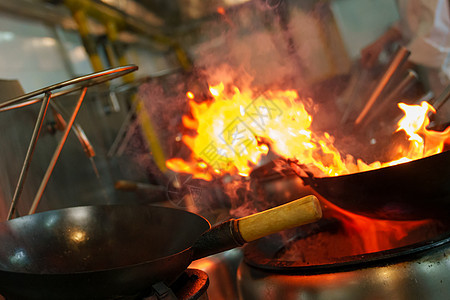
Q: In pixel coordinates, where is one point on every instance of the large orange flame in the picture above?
(424, 142)
(236, 129)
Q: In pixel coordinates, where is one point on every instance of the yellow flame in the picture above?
(235, 130)
(424, 142)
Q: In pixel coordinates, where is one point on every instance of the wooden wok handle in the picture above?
(127, 185)
(296, 213)
(235, 233)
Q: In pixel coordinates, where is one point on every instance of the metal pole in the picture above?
(29, 155)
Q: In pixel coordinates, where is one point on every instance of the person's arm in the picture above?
(370, 54)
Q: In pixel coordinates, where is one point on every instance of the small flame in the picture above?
(236, 129)
(190, 95)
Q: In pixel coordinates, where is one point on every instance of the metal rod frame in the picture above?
(29, 155)
(79, 83)
(56, 154)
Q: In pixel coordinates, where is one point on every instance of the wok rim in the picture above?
(112, 269)
(374, 171)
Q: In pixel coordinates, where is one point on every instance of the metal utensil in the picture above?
(399, 59)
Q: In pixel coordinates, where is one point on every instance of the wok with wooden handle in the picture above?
(110, 251)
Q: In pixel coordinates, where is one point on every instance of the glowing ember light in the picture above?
(190, 95)
(236, 129)
(215, 91)
(221, 10)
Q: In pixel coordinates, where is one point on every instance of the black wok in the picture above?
(415, 190)
(103, 252)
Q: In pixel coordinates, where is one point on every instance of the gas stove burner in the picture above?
(191, 285)
(321, 261)
(328, 246)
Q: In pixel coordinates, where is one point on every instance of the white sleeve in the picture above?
(430, 43)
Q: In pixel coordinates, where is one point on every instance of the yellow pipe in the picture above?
(97, 11)
(81, 20)
(147, 125)
(151, 136)
(182, 57)
(107, 15)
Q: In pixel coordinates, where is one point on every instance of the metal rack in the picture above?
(49, 93)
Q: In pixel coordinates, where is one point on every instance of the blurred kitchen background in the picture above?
(311, 46)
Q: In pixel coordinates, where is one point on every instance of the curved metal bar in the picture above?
(19, 105)
(36, 100)
(29, 155)
(87, 80)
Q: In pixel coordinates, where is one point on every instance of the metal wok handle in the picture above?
(237, 232)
